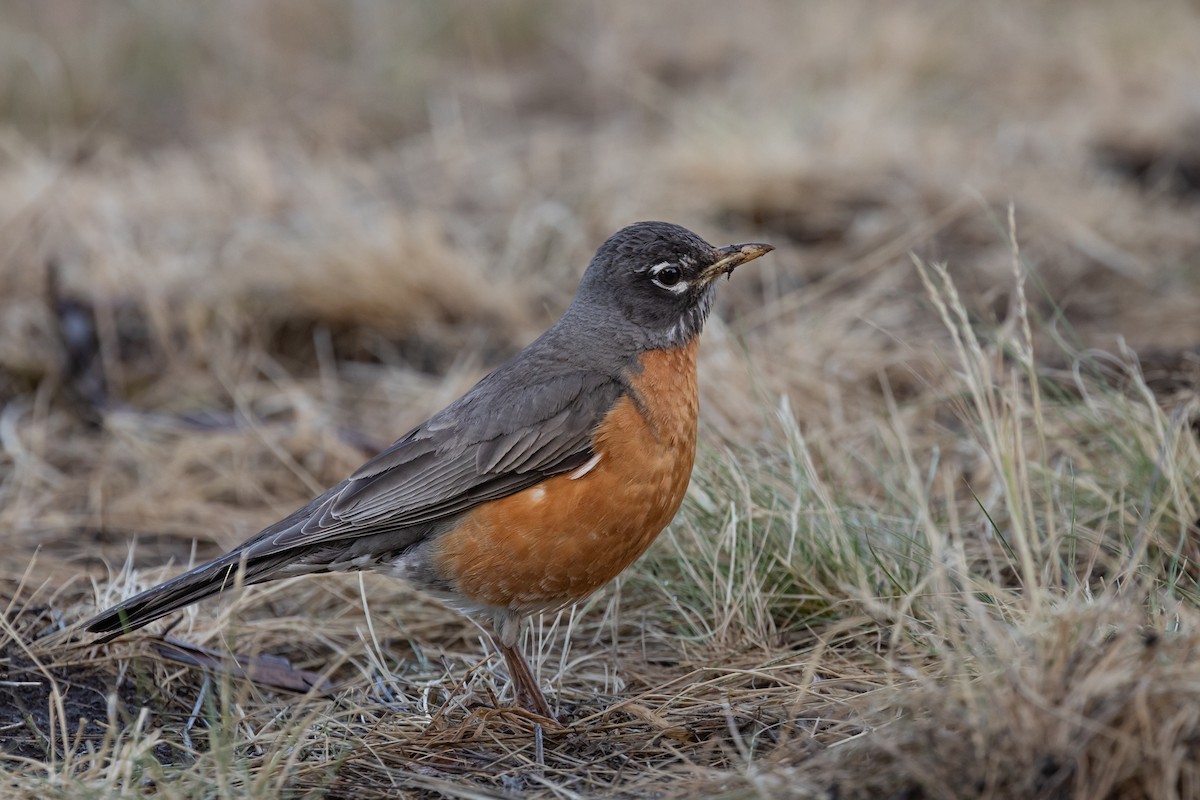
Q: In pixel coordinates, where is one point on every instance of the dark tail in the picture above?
(197, 584)
(258, 559)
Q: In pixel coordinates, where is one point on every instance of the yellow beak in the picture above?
(731, 257)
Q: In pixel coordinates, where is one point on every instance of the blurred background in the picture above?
(335, 215)
(245, 243)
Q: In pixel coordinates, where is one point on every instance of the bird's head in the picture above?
(661, 278)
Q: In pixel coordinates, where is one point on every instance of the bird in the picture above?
(550, 476)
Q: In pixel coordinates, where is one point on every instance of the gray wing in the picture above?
(513, 430)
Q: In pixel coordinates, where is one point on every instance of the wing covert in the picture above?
(499, 438)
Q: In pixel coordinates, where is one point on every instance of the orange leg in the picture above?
(529, 694)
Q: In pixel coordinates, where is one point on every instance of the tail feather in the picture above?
(196, 584)
(257, 559)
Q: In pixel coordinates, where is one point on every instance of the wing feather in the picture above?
(500, 438)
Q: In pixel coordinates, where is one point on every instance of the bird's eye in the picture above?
(668, 276)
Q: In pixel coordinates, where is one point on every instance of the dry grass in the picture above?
(943, 536)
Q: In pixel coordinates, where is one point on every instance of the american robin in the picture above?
(536, 487)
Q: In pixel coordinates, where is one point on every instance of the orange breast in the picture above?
(559, 541)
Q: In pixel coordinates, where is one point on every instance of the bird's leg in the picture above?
(529, 694)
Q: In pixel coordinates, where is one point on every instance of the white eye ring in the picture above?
(679, 287)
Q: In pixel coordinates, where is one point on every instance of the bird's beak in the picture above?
(731, 257)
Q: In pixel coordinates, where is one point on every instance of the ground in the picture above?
(942, 536)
